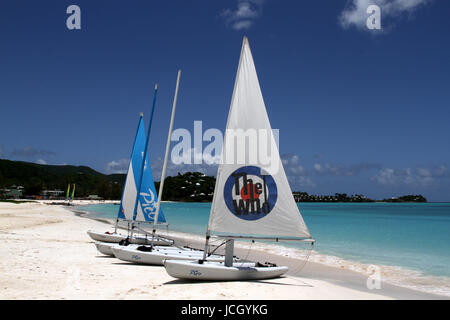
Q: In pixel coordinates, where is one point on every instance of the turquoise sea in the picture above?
(412, 236)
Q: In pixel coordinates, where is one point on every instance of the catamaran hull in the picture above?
(106, 237)
(157, 256)
(117, 237)
(106, 247)
(217, 271)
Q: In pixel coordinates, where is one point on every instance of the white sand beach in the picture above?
(45, 253)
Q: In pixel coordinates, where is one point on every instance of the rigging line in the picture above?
(212, 252)
(248, 252)
(212, 243)
(301, 266)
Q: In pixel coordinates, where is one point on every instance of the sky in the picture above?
(359, 110)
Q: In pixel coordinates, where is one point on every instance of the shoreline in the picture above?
(46, 254)
(318, 265)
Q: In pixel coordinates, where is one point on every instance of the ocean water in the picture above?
(411, 241)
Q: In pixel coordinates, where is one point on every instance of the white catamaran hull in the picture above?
(106, 247)
(158, 255)
(217, 271)
(117, 237)
(106, 237)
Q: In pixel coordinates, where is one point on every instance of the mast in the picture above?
(143, 160)
(163, 173)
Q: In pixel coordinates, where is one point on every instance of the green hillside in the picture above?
(37, 177)
(190, 186)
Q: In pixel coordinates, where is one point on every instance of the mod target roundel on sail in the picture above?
(250, 193)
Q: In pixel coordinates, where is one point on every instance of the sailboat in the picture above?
(252, 197)
(73, 193)
(68, 192)
(155, 254)
(135, 208)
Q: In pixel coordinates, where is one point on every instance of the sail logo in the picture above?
(249, 193)
(148, 203)
(195, 273)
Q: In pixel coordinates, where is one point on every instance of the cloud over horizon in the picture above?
(344, 170)
(419, 177)
(118, 166)
(244, 16)
(30, 151)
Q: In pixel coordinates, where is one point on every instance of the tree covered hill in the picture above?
(190, 186)
(37, 177)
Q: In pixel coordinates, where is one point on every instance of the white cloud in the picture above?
(119, 166)
(344, 170)
(41, 161)
(439, 171)
(386, 176)
(244, 16)
(295, 172)
(244, 24)
(355, 13)
(292, 166)
(413, 177)
(30, 151)
(297, 182)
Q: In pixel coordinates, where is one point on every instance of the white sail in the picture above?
(252, 196)
(129, 195)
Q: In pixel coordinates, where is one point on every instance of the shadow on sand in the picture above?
(268, 281)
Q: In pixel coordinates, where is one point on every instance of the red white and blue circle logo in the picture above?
(249, 193)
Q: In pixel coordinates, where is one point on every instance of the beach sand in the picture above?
(45, 253)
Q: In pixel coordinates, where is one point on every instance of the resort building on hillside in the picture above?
(14, 192)
(94, 197)
(52, 194)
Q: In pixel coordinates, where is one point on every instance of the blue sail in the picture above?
(146, 206)
(148, 198)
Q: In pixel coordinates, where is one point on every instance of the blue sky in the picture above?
(359, 110)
